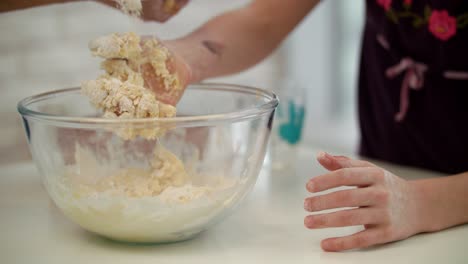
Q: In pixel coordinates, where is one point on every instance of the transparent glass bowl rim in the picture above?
(235, 116)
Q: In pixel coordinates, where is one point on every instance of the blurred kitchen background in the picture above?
(46, 48)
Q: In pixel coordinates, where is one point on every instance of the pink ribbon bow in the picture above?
(413, 79)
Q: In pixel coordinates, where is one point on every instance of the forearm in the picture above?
(11, 5)
(241, 38)
(444, 201)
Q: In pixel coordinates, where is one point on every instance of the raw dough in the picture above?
(166, 171)
(134, 7)
(131, 7)
(136, 52)
(121, 91)
(137, 205)
(155, 203)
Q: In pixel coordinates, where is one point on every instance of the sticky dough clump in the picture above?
(130, 7)
(121, 91)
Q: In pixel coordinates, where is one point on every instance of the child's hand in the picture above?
(144, 61)
(384, 203)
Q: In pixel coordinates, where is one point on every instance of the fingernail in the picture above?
(310, 186)
(307, 222)
(329, 156)
(306, 205)
(322, 155)
(325, 158)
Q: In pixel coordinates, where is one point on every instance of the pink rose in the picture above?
(408, 2)
(442, 25)
(386, 4)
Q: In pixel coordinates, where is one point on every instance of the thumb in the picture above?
(332, 163)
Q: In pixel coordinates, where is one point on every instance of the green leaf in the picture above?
(462, 18)
(427, 13)
(462, 23)
(392, 16)
(418, 22)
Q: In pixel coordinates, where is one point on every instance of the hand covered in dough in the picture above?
(383, 203)
(144, 61)
(149, 10)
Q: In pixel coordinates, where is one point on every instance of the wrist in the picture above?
(198, 59)
(441, 202)
(422, 206)
(184, 66)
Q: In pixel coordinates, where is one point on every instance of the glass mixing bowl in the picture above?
(158, 190)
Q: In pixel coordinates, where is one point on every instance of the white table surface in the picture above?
(266, 228)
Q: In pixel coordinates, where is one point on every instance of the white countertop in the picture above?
(266, 228)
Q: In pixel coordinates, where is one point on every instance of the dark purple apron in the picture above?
(413, 83)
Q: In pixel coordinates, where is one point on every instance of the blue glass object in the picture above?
(290, 131)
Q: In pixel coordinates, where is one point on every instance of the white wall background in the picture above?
(46, 48)
(323, 55)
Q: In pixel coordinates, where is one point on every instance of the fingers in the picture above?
(345, 198)
(346, 177)
(332, 163)
(363, 239)
(372, 202)
(160, 10)
(350, 217)
(156, 83)
(167, 79)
